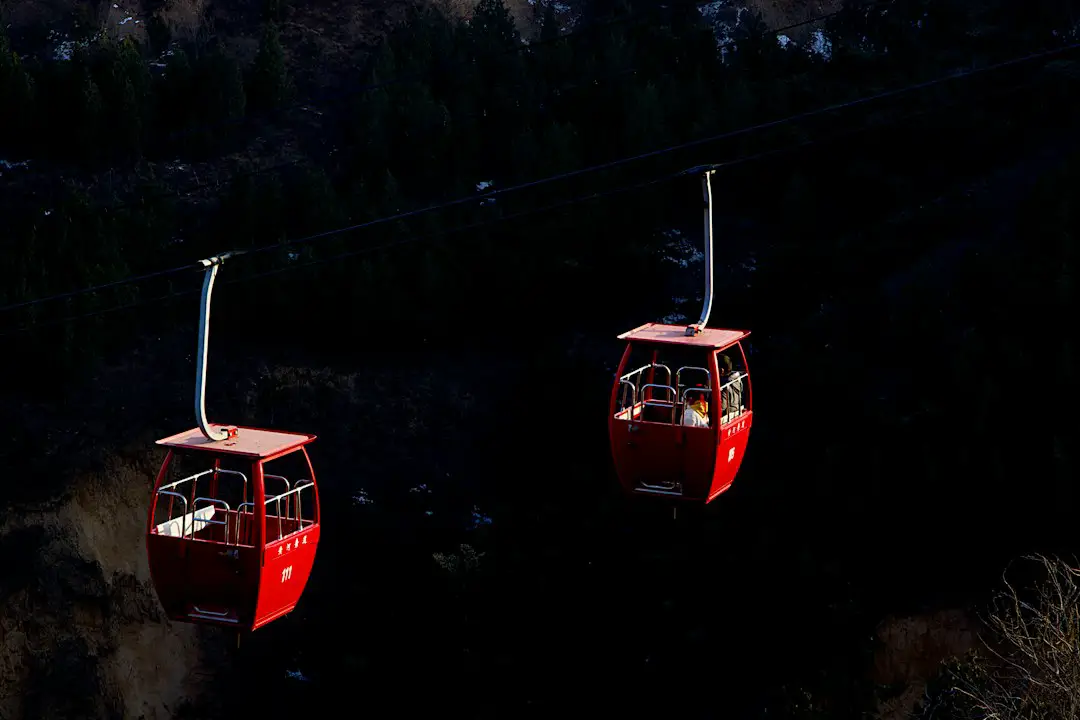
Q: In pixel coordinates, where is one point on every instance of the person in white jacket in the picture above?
(696, 413)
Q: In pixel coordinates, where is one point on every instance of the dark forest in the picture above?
(894, 222)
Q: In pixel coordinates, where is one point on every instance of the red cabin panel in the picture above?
(285, 572)
(730, 451)
(655, 451)
(224, 516)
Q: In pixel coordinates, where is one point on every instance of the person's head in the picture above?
(724, 362)
(695, 396)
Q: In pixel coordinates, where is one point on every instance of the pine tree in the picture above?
(158, 33)
(16, 98)
(273, 10)
(550, 27)
(173, 110)
(86, 114)
(500, 79)
(492, 29)
(311, 205)
(526, 155)
(230, 97)
(423, 128)
(134, 68)
(218, 101)
(560, 149)
(269, 86)
(757, 49)
(389, 195)
(129, 129)
(124, 82)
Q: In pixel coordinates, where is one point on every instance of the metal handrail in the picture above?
(240, 511)
(633, 392)
(213, 502)
(248, 508)
(678, 373)
(660, 403)
(198, 475)
(669, 486)
(736, 377)
(183, 521)
(687, 391)
(184, 480)
(300, 485)
(213, 613)
(282, 479)
(704, 391)
(645, 367)
(635, 372)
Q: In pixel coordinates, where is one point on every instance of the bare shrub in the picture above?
(911, 651)
(1029, 668)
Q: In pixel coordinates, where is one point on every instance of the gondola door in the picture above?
(734, 410)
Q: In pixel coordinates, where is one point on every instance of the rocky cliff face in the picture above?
(81, 633)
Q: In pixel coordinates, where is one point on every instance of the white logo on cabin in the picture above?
(731, 454)
(286, 573)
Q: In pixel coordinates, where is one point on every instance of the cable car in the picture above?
(681, 407)
(233, 524)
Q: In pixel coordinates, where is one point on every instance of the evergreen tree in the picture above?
(424, 130)
(500, 80)
(269, 86)
(757, 50)
(121, 75)
(135, 68)
(311, 205)
(237, 214)
(225, 86)
(550, 27)
(526, 155)
(217, 101)
(492, 28)
(388, 195)
(85, 114)
(158, 34)
(173, 110)
(16, 99)
(274, 10)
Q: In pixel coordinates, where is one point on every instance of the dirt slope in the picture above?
(81, 633)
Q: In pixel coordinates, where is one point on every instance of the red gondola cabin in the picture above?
(223, 548)
(680, 411)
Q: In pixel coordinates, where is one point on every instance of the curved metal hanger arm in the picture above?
(210, 269)
(706, 189)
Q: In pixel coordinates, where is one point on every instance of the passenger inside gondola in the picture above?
(696, 412)
(731, 388)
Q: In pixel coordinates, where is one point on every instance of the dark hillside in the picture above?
(905, 267)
